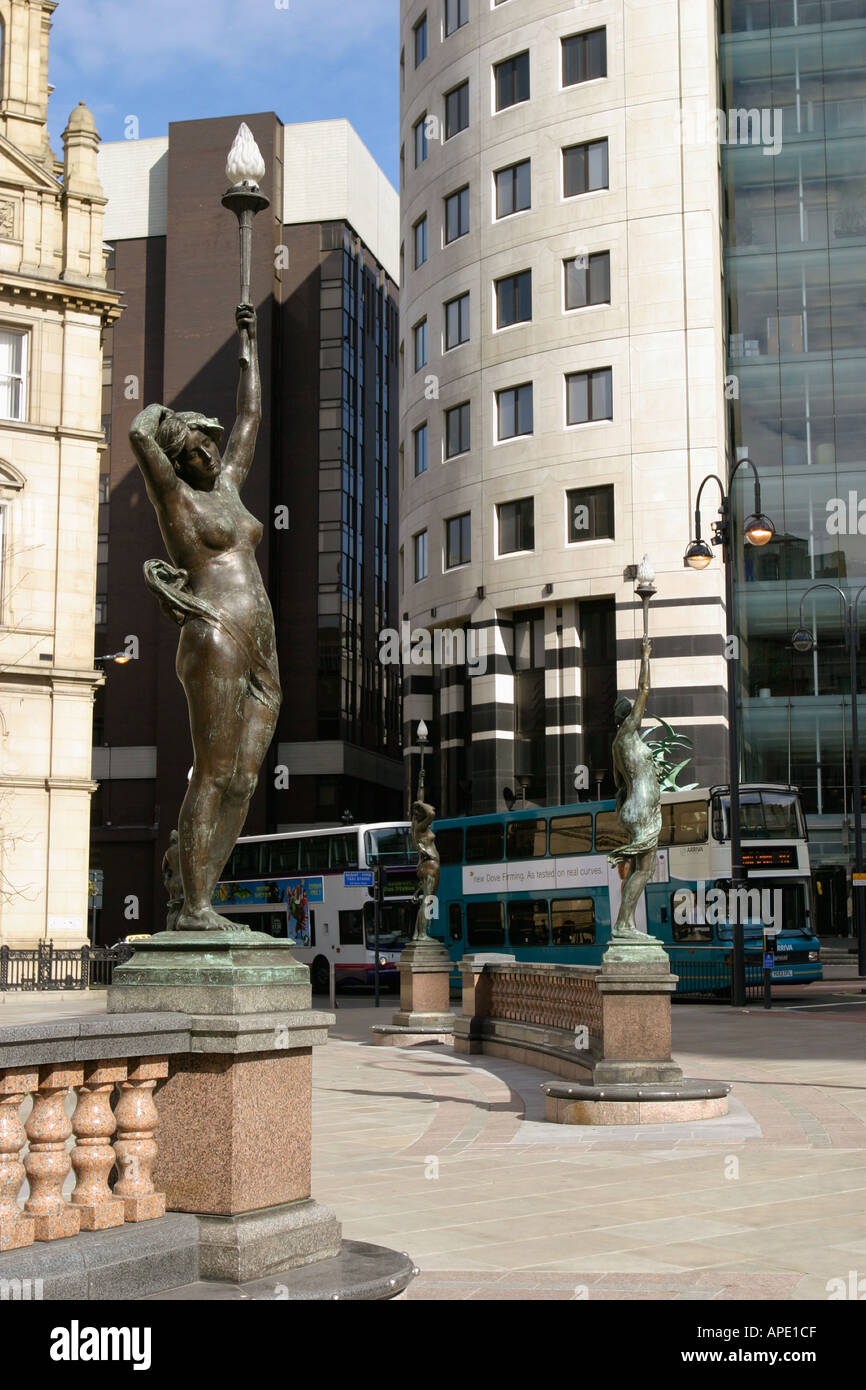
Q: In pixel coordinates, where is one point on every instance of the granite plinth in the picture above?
(212, 972)
(425, 971)
(234, 1131)
(358, 1273)
(257, 1243)
(634, 1105)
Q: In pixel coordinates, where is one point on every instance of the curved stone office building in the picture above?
(563, 384)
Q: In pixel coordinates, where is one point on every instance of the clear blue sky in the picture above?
(176, 60)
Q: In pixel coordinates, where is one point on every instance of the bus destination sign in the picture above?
(771, 857)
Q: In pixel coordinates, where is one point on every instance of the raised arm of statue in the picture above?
(159, 473)
(633, 720)
(241, 446)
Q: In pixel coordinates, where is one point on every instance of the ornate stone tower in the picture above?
(53, 307)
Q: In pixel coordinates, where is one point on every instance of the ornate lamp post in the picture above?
(244, 168)
(423, 735)
(645, 589)
(804, 641)
(758, 530)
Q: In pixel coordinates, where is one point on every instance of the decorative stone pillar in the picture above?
(135, 1149)
(47, 1163)
(424, 1016)
(636, 1022)
(469, 1029)
(16, 1229)
(93, 1124)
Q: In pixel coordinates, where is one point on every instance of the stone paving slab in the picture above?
(495, 1204)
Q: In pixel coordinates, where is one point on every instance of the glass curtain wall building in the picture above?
(794, 185)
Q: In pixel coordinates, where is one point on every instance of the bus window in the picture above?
(571, 835)
(573, 921)
(450, 844)
(528, 924)
(280, 857)
(684, 927)
(483, 843)
(343, 851)
(683, 823)
(609, 834)
(352, 927)
(313, 854)
(455, 922)
(484, 924)
(274, 923)
(390, 845)
(244, 861)
(526, 839)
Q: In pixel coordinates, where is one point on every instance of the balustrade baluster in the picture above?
(135, 1149)
(16, 1229)
(93, 1157)
(47, 1163)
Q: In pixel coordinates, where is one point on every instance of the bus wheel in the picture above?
(320, 976)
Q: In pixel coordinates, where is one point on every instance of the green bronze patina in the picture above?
(638, 804)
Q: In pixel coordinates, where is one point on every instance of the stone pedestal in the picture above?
(234, 1135)
(424, 1015)
(636, 1018)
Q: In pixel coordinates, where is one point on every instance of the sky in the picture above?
(176, 60)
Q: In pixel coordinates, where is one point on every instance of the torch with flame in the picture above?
(244, 168)
(645, 589)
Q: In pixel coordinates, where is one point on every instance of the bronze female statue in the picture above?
(226, 653)
(638, 802)
(424, 841)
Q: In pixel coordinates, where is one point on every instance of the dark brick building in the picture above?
(324, 479)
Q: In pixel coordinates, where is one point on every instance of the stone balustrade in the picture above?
(66, 1067)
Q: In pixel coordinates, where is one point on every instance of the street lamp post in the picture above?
(803, 641)
(758, 530)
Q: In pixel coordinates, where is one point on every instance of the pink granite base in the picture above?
(234, 1132)
(424, 992)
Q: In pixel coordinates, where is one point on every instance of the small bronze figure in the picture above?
(638, 803)
(424, 841)
(226, 653)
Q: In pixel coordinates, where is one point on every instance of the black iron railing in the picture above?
(47, 967)
(703, 979)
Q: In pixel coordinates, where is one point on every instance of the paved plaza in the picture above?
(449, 1158)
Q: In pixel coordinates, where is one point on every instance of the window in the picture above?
(343, 851)
(516, 525)
(420, 40)
(589, 396)
(514, 299)
(584, 168)
(457, 215)
(420, 241)
(573, 921)
(587, 280)
(457, 321)
(684, 823)
(449, 843)
(313, 854)
(514, 411)
(584, 57)
(513, 188)
(352, 927)
(419, 333)
(458, 541)
(571, 834)
(512, 80)
(456, 110)
(456, 15)
(528, 924)
(526, 839)
(483, 843)
(609, 834)
(420, 129)
(420, 543)
(590, 513)
(484, 926)
(281, 857)
(419, 438)
(13, 367)
(457, 430)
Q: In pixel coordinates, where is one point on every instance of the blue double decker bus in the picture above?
(536, 883)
